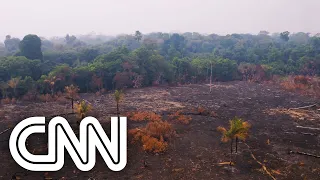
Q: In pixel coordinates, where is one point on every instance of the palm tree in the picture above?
(51, 80)
(83, 108)
(118, 96)
(238, 129)
(13, 83)
(72, 93)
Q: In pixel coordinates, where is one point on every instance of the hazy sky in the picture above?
(59, 17)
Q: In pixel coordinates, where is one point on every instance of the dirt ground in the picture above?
(196, 151)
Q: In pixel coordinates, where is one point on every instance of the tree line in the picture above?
(38, 65)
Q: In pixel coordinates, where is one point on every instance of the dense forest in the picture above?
(36, 65)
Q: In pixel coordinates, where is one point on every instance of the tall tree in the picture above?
(30, 47)
(72, 93)
(285, 36)
(11, 44)
(118, 96)
(70, 40)
(51, 80)
(138, 35)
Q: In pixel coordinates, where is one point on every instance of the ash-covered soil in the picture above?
(196, 150)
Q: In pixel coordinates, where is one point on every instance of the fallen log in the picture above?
(304, 107)
(5, 131)
(303, 133)
(309, 134)
(193, 114)
(262, 165)
(303, 153)
(311, 128)
(197, 114)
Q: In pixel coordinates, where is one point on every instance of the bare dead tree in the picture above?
(211, 78)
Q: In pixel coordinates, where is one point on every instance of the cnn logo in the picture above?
(61, 137)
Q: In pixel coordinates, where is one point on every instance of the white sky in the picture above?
(110, 17)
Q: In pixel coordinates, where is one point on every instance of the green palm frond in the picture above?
(83, 108)
(225, 134)
(118, 95)
(237, 129)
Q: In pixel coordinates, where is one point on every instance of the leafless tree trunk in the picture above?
(72, 104)
(231, 152)
(236, 144)
(211, 77)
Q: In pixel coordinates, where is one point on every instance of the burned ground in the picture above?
(196, 150)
